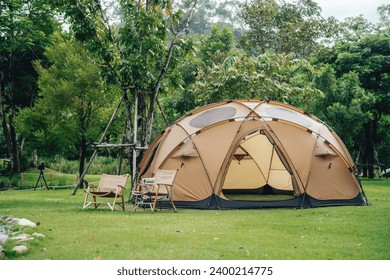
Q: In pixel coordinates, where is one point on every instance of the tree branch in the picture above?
(157, 85)
(100, 141)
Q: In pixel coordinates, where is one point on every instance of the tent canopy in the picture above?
(254, 147)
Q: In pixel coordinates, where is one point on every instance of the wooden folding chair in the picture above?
(157, 189)
(110, 187)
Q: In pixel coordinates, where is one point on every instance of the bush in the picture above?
(4, 183)
(99, 165)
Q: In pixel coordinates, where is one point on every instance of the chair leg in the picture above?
(123, 203)
(173, 205)
(136, 204)
(94, 202)
(154, 204)
(113, 204)
(86, 202)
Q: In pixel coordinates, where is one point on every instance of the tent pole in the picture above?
(100, 141)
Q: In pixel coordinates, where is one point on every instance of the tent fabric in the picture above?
(252, 147)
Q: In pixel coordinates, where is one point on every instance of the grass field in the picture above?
(54, 179)
(301, 234)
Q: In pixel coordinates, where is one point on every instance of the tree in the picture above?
(216, 45)
(218, 72)
(370, 59)
(212, 50)
(274, 77)
(25, 28)
(341, 104)
(68, 115)
(281, 27)
(137, 53)
(210, 12)
(366, 58)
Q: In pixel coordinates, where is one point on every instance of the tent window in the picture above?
(289, 115)
(213, 116)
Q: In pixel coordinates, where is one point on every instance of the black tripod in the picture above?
(41, 179)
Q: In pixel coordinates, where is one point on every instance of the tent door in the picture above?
(257, 170)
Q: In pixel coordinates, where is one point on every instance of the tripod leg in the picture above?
(36, 185)
(43, 177)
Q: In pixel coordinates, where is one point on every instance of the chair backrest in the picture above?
(165, 177)
(110, 182)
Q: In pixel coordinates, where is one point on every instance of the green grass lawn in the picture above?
(54, 179)
(319, 233)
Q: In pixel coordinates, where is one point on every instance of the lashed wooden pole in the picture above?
(100, 141)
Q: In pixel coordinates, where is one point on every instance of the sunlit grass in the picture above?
(317, 233)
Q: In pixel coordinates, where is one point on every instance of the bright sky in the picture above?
(342, 9)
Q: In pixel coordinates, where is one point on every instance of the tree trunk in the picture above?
(122, 151)
(3, 116)
(9, 132)
(15, 162)
(368, 150)
(82, 155)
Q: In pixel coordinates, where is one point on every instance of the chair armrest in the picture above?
(151, 187)
(91, 186)
(120, 189)
(137, 188)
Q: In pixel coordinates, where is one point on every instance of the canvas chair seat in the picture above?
(157, 189)
(110, 187)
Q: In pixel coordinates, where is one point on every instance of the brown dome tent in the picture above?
(254, 154)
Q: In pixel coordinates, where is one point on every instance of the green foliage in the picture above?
(143, 40)
(137, 47)
(265, 77)
(283, 27)
(219, 72)
(99, 165)
(4, 183)
(216, 45)
(25, 29)
(383, 146)
(137, 53)
(210, 12)
(356, 85)
(70, 105)
(341, 104)
(355, 28)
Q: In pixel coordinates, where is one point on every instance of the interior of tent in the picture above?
(257, 171)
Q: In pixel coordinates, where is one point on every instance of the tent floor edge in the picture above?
(356, 201)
